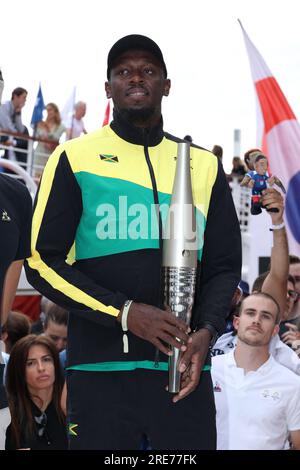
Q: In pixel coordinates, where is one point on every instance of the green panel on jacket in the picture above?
(120, 216)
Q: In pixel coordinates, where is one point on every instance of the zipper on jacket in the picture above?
(156, 202)
(154, 186)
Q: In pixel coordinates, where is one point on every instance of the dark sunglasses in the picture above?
(41, 422)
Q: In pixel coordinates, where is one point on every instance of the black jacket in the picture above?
(90, 208)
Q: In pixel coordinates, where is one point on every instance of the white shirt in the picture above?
(4, 422)
(255, 411)
(4, 358)
(279, 350)
(77, 128)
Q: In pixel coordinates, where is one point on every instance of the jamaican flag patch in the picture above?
(109, 158)
(73, 429)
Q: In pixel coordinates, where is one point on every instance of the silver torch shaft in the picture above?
(180, 254)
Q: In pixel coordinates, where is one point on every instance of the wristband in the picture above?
(277, 227)
(124, 324)
(208, 326)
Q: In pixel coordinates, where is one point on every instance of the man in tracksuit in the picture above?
(97, 244)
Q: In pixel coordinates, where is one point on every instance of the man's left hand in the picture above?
(192, 362)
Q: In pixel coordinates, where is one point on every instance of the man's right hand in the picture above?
(157, 326)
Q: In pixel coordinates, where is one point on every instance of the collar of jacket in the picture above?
(137, 135)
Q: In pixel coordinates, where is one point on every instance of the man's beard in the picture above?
(254, 341)
(138, 116)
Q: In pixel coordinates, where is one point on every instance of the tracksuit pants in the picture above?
(114, 410)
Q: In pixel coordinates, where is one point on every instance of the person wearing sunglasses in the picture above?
(34, 385)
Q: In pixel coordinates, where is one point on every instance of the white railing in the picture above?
(242, 197)
(10, 148)
(20, 173)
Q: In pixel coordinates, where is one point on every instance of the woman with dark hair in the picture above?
(16, 327)
(34, 385)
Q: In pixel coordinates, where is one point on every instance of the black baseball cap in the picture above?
(134, 41)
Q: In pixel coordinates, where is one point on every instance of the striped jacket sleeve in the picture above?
(57, 212)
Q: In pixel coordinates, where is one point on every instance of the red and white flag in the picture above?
(106, 115)
(279, 133)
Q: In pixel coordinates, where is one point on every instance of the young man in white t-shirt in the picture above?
(257, 399)
(275, 284)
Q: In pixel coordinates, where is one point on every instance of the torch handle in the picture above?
(179, 296)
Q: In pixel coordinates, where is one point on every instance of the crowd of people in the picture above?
(46, 134)
(91, 373)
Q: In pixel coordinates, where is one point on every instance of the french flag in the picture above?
(279, 133)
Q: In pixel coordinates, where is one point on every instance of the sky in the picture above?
(64, 43)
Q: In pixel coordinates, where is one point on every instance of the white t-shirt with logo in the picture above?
(255, 411)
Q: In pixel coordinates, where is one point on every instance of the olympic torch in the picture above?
(180, 254)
